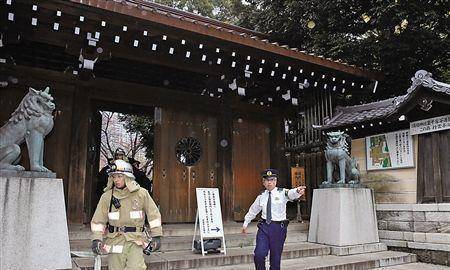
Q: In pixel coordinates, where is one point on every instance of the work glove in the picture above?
(156, 243)
(148, 249)
(97, 246)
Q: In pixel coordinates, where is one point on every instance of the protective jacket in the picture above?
(113, 226)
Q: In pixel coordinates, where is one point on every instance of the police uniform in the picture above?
(272, 228)
(140, 176)
(122, 227)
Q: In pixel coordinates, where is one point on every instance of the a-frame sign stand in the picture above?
(208, 218)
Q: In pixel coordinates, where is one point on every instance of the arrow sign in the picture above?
(217, 229)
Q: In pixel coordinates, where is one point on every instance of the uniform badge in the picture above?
(269, 173)
(135, 205)
(277, 199)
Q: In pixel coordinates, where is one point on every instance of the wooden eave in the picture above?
(138, 9)
(283, 69)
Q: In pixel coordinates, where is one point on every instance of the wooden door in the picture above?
(174, 182)
(433, 173)
(250, 156)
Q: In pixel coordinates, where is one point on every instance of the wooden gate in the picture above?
(433, 172)
(251, 155)
(174, 183)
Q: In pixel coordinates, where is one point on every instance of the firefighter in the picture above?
(118, 222)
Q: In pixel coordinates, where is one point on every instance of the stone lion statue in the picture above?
(340, 167)
(30, 122)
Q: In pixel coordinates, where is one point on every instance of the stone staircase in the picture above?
(358, 261)
(298, 254)
(178, 237)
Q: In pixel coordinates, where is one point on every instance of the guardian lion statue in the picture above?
(30, 122)
(340, 166)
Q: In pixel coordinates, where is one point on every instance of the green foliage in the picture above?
(145, 127)
(223, 10)
(396, 37)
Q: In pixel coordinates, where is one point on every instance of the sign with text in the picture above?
(389, 150)
(430, 125)
(209, 212)
(298, 178)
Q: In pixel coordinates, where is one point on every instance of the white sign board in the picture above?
(209, 212)
(430, 125)
(390, 150)
(209, 216)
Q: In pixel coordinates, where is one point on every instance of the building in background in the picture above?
(402, 145)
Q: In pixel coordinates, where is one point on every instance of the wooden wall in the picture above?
(391, 186)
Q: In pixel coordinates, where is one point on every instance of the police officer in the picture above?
(140, 176)
(120, 154)
(118, 221)
(272, 228)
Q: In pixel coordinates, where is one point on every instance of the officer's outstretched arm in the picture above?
(295, 193)
(100, 218)
(292, 194)
(153, 216)
(254, 209)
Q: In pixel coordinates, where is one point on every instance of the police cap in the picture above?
(119, 151)
(269, 173)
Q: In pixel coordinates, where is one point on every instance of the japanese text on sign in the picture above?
(209, 212)
(430, 125)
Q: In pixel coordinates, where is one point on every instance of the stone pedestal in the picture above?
(34, 233)
(343, 217)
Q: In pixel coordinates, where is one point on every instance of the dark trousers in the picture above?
(269, 237)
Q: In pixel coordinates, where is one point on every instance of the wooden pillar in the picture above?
(224, 156)
(278, 158)
(76, 208)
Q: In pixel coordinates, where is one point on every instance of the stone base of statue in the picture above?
(34, 233)
(344, 218)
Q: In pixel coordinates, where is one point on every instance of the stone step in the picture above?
(173, 243)
(414, 266)
(77, 232)
(233, 258)
(331, 262)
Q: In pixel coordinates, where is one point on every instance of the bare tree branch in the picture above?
(112, 137)
(106, 148)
